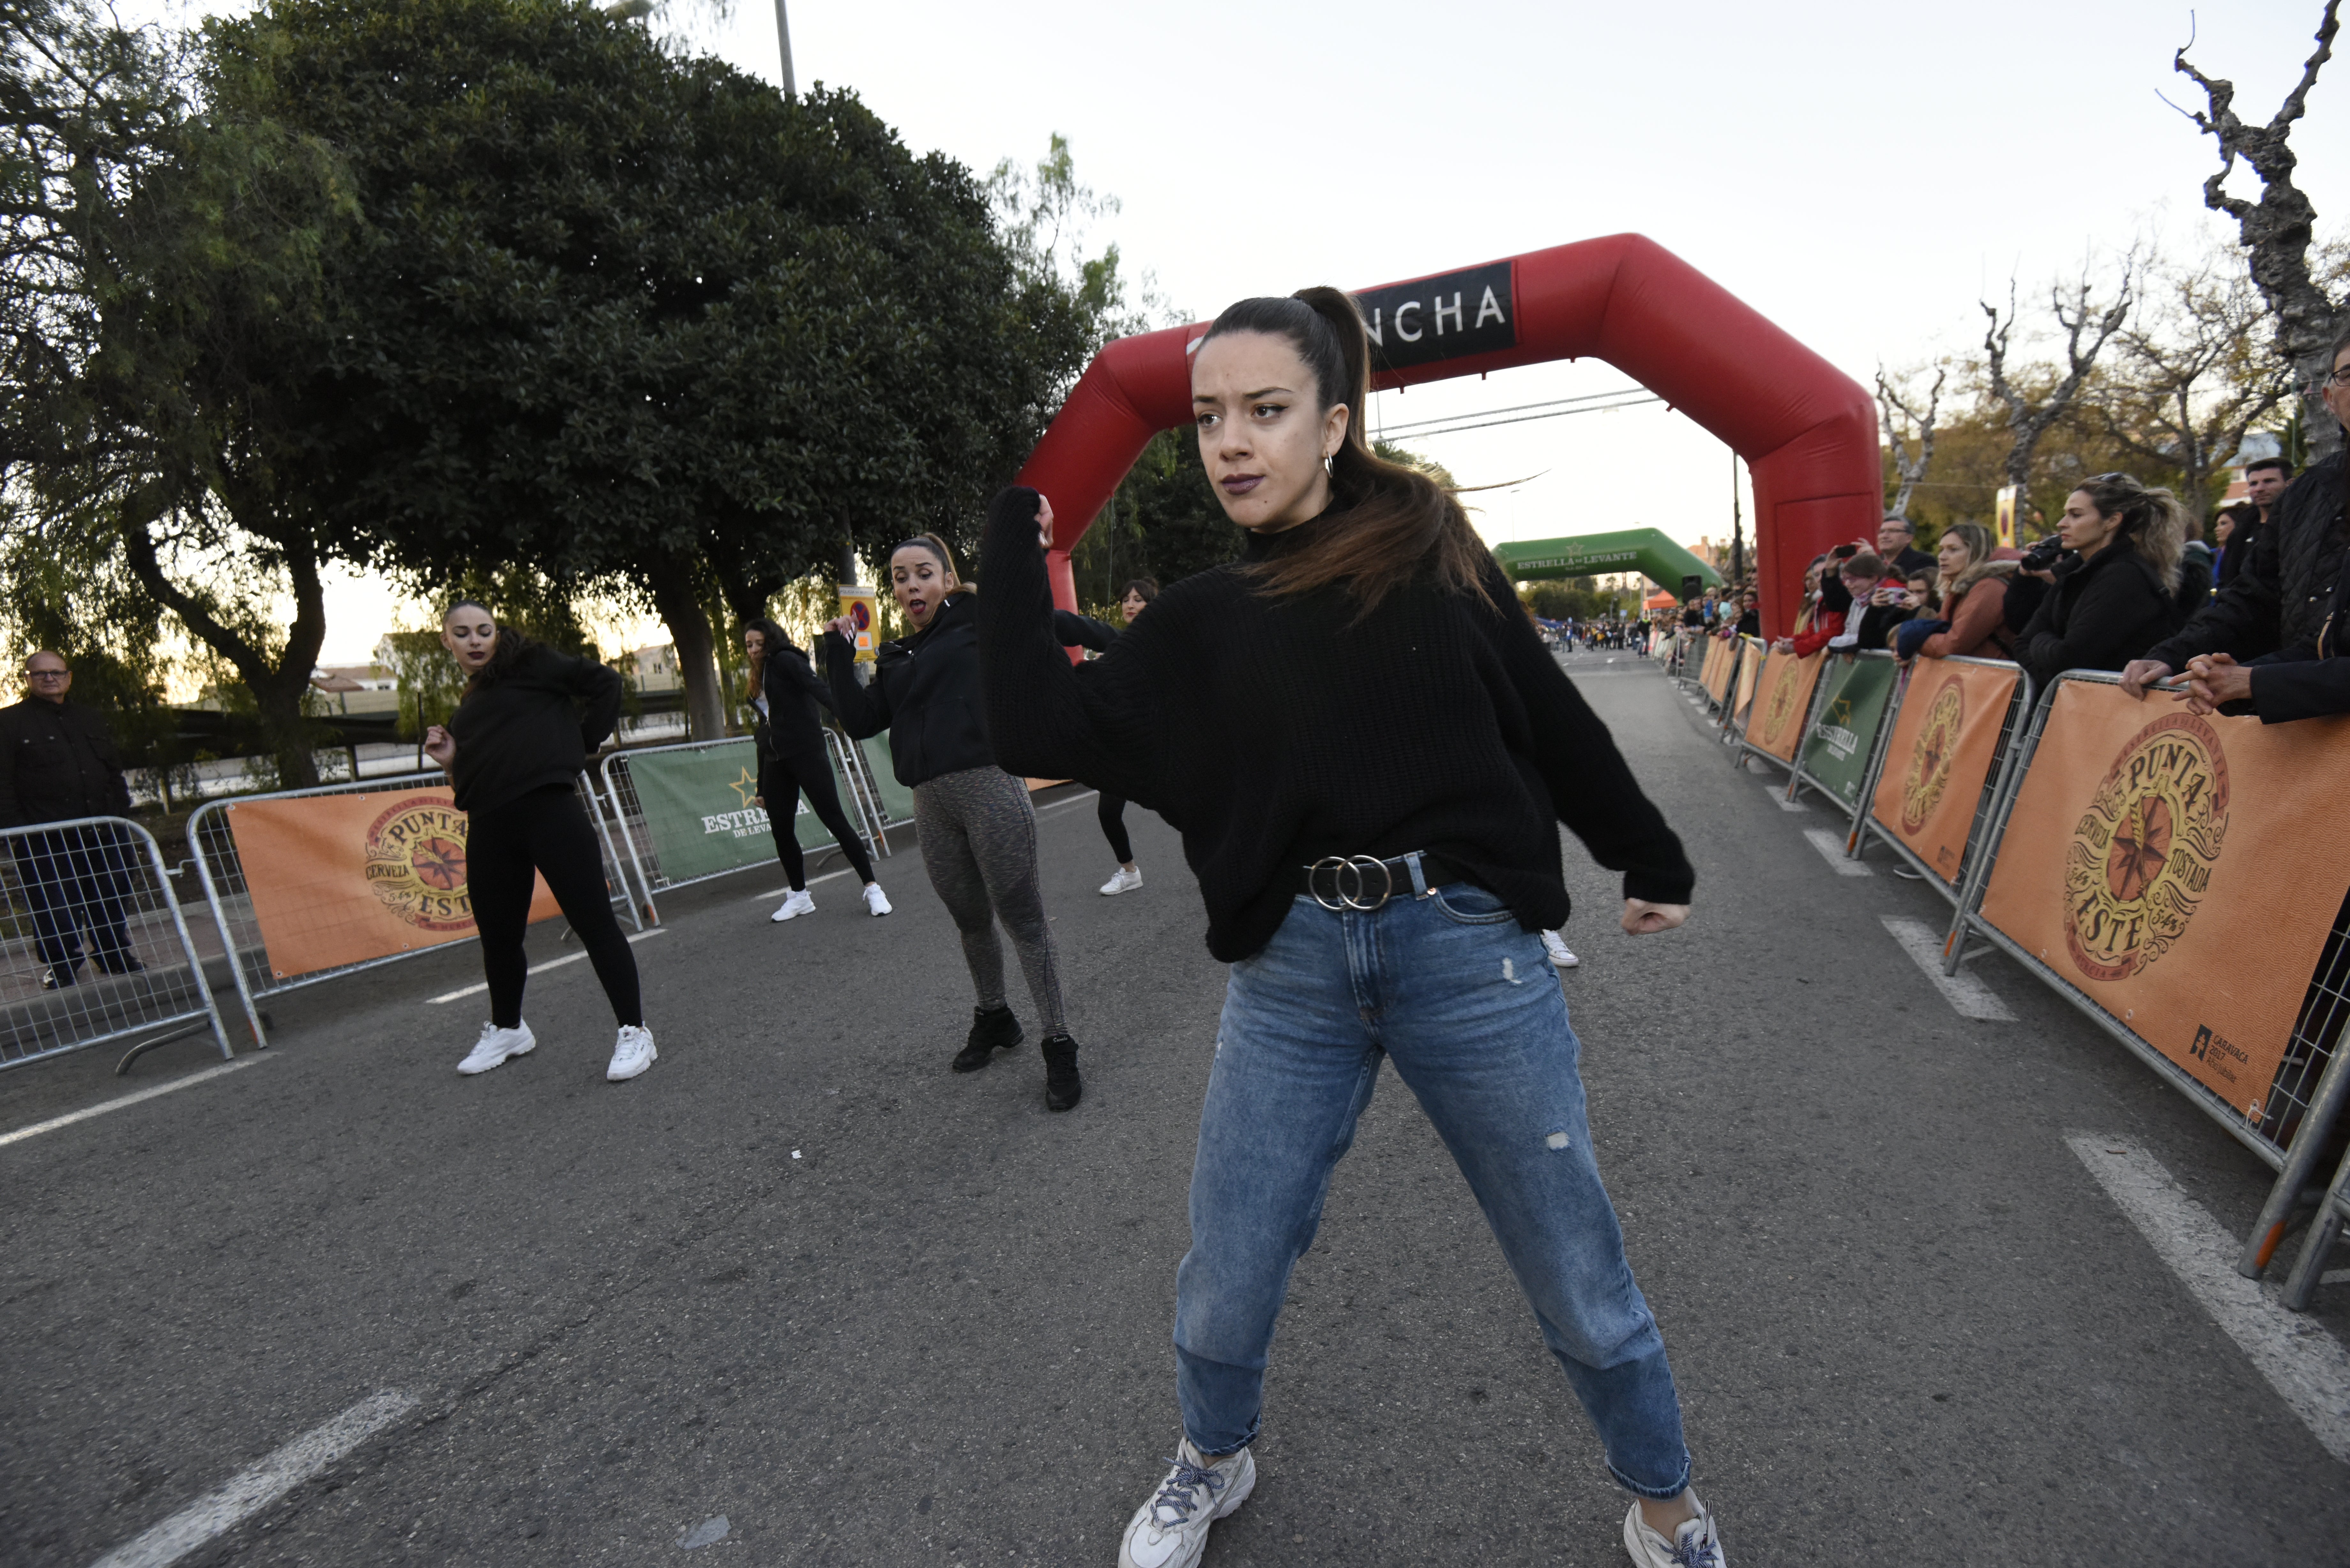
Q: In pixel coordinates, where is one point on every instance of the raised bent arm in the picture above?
(864, 709)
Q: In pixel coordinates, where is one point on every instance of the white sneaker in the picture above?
(1696, 1545)
(633, 1053)
(1125, 881)
(1170, 1531)
(496, 1046)
(1555, 945)
(798, 904)
(876, 900)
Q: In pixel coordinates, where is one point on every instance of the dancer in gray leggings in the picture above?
(978, 829)
(979, 845)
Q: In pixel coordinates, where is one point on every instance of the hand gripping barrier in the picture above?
(298, 924)
(685, 815)
(96, 946)
(2140, 856)
(1935, 763)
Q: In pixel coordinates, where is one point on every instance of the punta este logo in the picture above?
(416, 864)
(1782, 710)
(1929, 760)
(2142, 855)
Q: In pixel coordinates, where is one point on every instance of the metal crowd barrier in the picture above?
(2002, 776)
(212, 843)
(1747, 748)
(96, 948)
(1799, 775)
(2304, 1100)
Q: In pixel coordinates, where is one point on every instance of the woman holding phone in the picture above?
(525, 727)
(1369, 753)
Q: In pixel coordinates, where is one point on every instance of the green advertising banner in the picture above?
(698, 810)
(1836, 750)
(897, 800)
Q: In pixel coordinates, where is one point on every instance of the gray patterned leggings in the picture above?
(979, 845)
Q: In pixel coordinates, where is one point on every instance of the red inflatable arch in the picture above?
(1806, 431)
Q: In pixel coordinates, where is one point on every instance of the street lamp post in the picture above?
(784, 44)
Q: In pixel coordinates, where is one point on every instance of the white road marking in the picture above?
(1830, 844)
(476, 989)
(1969, 995)
(1778, 794)
(37, 1128)
(2304, 1364)
(251, 1490)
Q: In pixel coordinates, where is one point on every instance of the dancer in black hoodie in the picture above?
(1083, 631)
(977, 825)
(513, 751)
(784, 692)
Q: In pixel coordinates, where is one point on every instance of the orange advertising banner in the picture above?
(1939, 756)
(343, 878)
(2180, 871)
(1750, 668)
(1783, 700)
(1723, 669)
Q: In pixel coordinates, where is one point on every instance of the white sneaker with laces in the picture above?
(792, 908)
(876, 901)
(1555, 945)
(1695, 1544)
(1170, 1531)
(633, 1053)
(1123, 881)
(496, 1046)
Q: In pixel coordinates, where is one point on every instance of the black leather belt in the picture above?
(1341, 882)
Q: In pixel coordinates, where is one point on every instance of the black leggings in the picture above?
(1110, 811)
(546, 831)
(782, 782)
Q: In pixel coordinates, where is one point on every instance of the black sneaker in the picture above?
(992, 1030)
(121, 963)
(1063, 1087)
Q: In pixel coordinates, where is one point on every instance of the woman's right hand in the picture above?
(1044, 522)
(843, 628)
(440, 745)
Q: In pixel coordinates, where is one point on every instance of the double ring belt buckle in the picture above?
(1347, 874)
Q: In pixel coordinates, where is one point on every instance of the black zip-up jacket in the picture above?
(793, 727)
(2103, 611)
(57, 762)
(2279, 601)
(536, 725)
(925, 692)
(1272, 733)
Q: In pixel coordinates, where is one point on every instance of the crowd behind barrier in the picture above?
(2163, 873)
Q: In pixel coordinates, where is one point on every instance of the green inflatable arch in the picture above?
(1643, 550)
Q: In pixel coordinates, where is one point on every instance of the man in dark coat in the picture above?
(1896, 541)
(58, 763)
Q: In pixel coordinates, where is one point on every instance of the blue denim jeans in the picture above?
(1469, 1008)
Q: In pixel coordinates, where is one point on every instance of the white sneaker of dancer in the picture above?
(633, 1053)
(1125, 881)
(496, 1046)
(1555, 945)
(791, 909)
(1170, 1531)
(1695, 1543)
(876, 901)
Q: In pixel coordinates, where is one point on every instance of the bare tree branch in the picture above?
(2087, 327)
(1907, 463)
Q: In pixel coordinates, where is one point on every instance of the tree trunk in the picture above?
(669, 577)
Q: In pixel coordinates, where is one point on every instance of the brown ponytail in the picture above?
(1387, 524)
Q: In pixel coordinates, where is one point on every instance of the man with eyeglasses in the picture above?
(1896, 542)
(2261, 638)
(57, 762)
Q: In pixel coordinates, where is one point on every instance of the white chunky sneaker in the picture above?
(633, 1053)
(496, 1046)
(1125, 881)
(876, 901)
(1696, 1545)
(1555, 945)
(1170, 1531)
(792, 908)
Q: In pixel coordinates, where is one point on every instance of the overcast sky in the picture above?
(1859, 174)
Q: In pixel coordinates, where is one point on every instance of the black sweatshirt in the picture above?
(528, 728)
(1272, 732)
(925, 692)
(57, 762)
(793, 727)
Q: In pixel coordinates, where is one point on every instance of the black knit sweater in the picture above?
(536, 724)
(1271, 732)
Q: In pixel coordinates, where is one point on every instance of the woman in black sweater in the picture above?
(785, 692)
(529, 720)
(1109, 809)
(976, 823)
(1368, 752)
(2116, 592)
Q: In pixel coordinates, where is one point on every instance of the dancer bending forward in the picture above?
(1366, 752)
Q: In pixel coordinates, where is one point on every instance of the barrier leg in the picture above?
(2316, 1125)
(2310, 1267)
(188, 946)
(228, 946)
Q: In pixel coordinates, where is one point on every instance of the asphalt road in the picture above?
(801, 1276)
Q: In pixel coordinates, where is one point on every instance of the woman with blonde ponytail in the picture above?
(1367, 752)
(2116, 584)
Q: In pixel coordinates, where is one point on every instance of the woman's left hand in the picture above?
(1044, 521)
(1641, 917)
